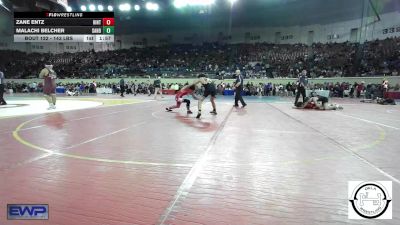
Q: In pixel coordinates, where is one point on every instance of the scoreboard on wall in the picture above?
(64, 26)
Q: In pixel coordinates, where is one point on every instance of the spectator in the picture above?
(2, 78)
(378, 57)
(360, 88)
(122, 87)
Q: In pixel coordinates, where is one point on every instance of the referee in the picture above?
(238, 90)
(2, 101)
(302, 83)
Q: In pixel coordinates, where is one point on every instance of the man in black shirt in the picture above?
(302, 83)
(157, 88)
(2, 101)
(122, 87)
(238, 90)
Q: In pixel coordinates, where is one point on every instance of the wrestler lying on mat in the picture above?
(318, 102)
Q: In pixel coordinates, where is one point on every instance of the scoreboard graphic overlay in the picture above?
(64, 26)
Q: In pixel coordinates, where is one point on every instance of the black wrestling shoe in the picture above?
(244, 105)
(198, 116)
(189, 112)
(168, 109)
(214, 112)
(235, 106)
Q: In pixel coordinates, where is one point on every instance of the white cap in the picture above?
(237, 71)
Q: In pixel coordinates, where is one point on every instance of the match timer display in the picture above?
(64, 26)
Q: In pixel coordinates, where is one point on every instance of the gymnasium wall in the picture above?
(388, 26)
(323, 33)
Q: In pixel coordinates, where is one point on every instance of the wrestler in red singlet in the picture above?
(309, 105)
(179, 98)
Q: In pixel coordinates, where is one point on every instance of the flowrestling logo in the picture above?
(27, 212)
(370, 200)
